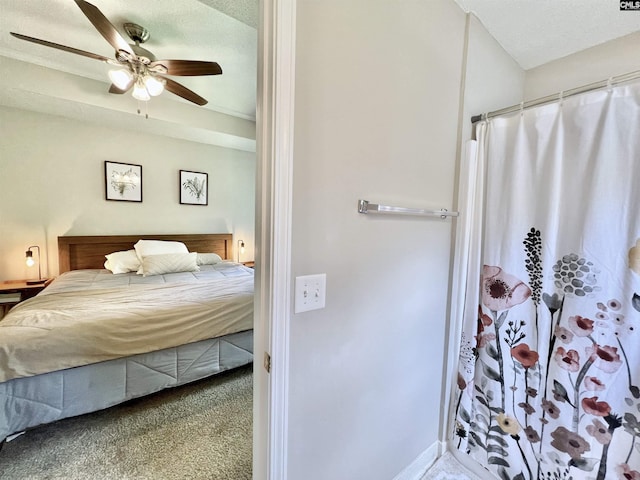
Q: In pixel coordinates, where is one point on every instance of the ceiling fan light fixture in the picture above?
(121, 78)
(140, 92)
(155, 86)
(133, 64)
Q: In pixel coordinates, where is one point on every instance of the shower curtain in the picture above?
(548, 384)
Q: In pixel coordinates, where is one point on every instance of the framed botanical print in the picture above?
(123, 181)
(194, 188)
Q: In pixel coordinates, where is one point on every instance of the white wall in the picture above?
(52, 184)
(616, 57)
(377, 111)
(493, 79)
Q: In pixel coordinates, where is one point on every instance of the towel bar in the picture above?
(366, 207)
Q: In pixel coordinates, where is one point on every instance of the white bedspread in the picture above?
(88, 316)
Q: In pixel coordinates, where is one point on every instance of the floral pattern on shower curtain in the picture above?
(549, 374)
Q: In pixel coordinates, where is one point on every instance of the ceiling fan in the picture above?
(138, 67)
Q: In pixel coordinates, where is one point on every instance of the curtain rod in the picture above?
(557, 96)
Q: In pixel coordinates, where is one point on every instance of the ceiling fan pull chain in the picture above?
(146, 109)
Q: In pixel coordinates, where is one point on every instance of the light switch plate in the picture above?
(310, 292)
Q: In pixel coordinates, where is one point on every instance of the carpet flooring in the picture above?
(201, 430)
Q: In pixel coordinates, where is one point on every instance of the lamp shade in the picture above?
(31, 262)
(140, 92)
(154, 85)
(121, 78)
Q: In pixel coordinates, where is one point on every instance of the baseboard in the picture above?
(470, 464)
(421, 464)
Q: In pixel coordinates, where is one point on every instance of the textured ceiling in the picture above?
(244, 10)
(534, 32)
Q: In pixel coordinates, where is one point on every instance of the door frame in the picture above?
(274, 185)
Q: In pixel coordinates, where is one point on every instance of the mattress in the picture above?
(89, 316)
(93, 339)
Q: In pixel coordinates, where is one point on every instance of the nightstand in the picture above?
(250, 264)
(13, 292)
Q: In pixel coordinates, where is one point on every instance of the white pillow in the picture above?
(169, 263)
(122, 262)
(208, 258)
(157, 247)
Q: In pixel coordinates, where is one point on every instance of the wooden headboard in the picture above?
(79, 252)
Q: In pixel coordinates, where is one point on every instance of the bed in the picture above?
(93, 339)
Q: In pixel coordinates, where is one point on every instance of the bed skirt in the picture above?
(32, 401)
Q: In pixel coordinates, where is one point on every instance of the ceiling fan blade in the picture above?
(184, 92)
(104, 26)
(188, 67)
(60, 47)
